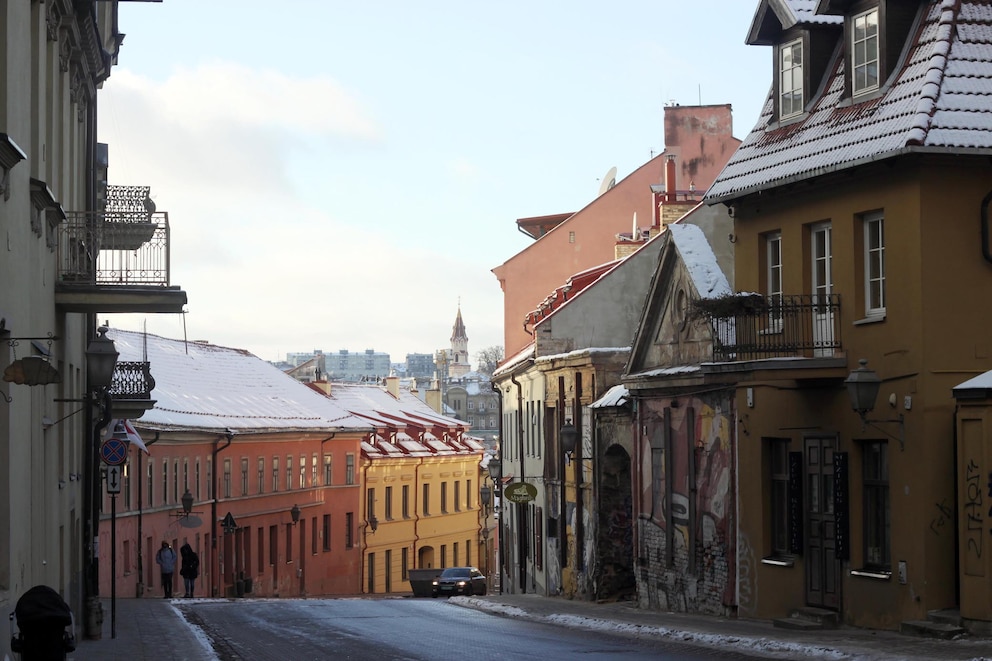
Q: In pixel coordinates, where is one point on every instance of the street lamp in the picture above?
(862, 388)
(295, 513)
(101, 359)
(569, 436)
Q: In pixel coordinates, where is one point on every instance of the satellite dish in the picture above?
(191, 521)
(609, 181)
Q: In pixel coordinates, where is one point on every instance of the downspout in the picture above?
(521, 539)
(498, 488)
(214, 562)
(416, 514)
(140, 589)
(365, 528)
(986, 250)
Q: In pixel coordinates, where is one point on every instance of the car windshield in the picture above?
(456, 572)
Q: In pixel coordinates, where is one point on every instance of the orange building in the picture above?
(698, 142)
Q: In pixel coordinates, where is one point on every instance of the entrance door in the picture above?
(821, 250)
(823, 569)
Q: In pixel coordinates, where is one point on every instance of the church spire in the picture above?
(459, 347)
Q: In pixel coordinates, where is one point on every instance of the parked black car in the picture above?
(459, 580)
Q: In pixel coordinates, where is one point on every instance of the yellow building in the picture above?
(421, 475)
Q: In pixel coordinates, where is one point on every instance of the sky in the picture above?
(345, 175)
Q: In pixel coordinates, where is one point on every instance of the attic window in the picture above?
(790, 92)
(864, 52)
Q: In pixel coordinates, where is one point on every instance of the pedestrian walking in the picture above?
(166, 559)
(189, 569)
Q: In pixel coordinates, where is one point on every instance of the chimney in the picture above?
(433, 397)
(671, 193)
(393, 386)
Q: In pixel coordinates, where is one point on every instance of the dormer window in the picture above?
(864, 52)
(790, 85)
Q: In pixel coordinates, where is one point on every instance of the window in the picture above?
(471, 405)
(349, 524)
(773, 280)
(349, 469)
(273, 544)
(790, 79)
(313, 536)
(313, 469)
(210, 479)
(151, 483)
(127, 486)
(289, 543)
(327, 470)
(468, 552)
(406, 501)
(874, 264)
(778, 457)
(458, 496)
(227, 478)
(303, 471)
(327, 532)
(427, 500)
(454, 554)
(275, 474)
(864, 52)
(197, 472)
(261, 475)
(444, 498)
(369, 504)
(289, 472)
(389, 504)
(244, 476)
(261, 549)
(876, 505)
(165, 481)
(388, 571)
(185, 474)
(444, 556)
(405, 563)
(175, 481)
(468, 494)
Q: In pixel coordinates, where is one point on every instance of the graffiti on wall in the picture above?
(696, 568)
(974, 512)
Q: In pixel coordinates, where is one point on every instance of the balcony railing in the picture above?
(756, 327)
(132, 380)
(126, 244)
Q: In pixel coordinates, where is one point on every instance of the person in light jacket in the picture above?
(189, 569)
(166, 560)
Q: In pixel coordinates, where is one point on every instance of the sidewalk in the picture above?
(152, 628)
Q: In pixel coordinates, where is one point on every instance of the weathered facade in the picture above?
(860, 203)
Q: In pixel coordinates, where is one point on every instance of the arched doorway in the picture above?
(615, 571)
(425, 557)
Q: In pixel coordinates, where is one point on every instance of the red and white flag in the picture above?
(123, 427)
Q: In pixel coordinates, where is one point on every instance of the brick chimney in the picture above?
(393, 386)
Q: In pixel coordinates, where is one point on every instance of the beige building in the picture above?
(60, 269)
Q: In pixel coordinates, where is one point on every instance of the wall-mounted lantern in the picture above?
(295, 513)
(569, 436)
(862, 387)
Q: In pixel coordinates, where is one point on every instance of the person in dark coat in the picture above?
(190, 568)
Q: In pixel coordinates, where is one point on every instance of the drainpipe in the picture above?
(986, 251)
(365, 529)
(498, 489)
(214, 564)
(140, 588)
(521, 539)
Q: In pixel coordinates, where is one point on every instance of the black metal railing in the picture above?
(132, 380)
(125, 244)
(795, 325)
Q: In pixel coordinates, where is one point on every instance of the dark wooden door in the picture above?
(823, 569)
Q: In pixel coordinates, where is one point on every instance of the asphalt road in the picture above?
(407, 629)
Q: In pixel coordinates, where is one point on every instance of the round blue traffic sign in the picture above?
(113, 452)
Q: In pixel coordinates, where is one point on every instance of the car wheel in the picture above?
(483, 591)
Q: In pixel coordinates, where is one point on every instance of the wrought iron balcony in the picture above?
(753, 327)
(116, 259)
(131, 389)
(125, 244)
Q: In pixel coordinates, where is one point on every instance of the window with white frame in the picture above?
(874, 227)
(790, 79)
(864, 52)
(773, 280)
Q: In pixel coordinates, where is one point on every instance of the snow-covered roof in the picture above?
(699, 259)
(940, 100)
(205, 387)
(516, 359)
(980, 385)
(614, 397)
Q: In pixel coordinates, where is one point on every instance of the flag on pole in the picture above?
(123, 428)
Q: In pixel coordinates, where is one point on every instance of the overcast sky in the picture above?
(339, 175)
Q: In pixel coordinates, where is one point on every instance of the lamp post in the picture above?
(101, 359)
